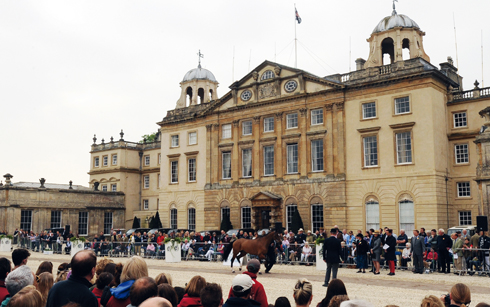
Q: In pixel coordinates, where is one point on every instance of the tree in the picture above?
(149, 138)
(296, 222)
(158, 221)
(226, 223)
(152, 223)
(136, 222)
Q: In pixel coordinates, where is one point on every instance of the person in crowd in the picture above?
(467, 251)
(134, 269)
(362, 248)
(336, 287)
(211, 295)
(44, 283)
(180, 293)
(310, 238)
(258, 292)
(431, 301)
(457, 252)
(303, 292)
(376, 251)
(141, 290)
(351, 238)
(483, 247)
(306, 253)
(163, 278)
(27, 297)
(68, 246)
(444, 243)
(193, 292)
(156, 302)
(300, 237)
(242, 287)
(459, 296)
(417, 251)
(474, 241)
(16, 281)
(465, 234)
(76, 288)
(20, 257)
(422, 232)
(402, 239)
(432, 259)
(103, 280)
(331, 255)
(406, 258)
(270, 257)
(282, 301)
(390, 256)
(45, 266)
(101, 265)
(168, 292)
(432, 244)
(211, 251)
(337, 300)
(285, 247)
(5, 268)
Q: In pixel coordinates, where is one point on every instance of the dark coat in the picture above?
(444, 242)
(331, 250)
(240, 302)
(390, 252)
(75, 289)
(362, 247)
(418, 246)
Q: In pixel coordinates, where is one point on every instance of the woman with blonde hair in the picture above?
(303, 293)
(431, 301)
(135, 268)
(27, 297)
(44, 283)
(459, 296)
(163, 278)
(193, 292)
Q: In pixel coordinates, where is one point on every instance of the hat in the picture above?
(376, 232)
(301, 229)
(309, 231)
(242, 283)
(253, 266)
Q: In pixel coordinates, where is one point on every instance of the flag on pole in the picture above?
(297, 16)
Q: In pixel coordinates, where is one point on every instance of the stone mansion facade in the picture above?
(390, 144)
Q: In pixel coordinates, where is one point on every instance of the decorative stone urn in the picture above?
(76, 246)
(172, 251)
(320, 264)
(5, 244)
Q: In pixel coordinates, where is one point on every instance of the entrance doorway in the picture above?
(265, 218)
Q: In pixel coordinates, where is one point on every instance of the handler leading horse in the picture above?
(258, 247)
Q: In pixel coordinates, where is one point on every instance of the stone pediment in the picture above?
(265, 195)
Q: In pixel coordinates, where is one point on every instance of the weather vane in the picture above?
(200, 55)
(394, 10)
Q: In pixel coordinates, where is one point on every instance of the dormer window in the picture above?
(268, 74)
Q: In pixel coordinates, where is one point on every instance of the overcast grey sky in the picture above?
(69, 69)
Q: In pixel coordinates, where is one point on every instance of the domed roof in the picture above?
(395, 21)
(199, 73)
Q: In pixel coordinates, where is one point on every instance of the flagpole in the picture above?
(295, 41)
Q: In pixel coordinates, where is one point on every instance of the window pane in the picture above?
(104, 188)
(407, 216)
(368, 110)
(464, 189)
(268, 160)
(226, 129)
(268, 124)
(174, 165)
(146, 204)
(317, 117)
(292, 158)
(83, 223)
(292, 120)
(55, 219)
(114, 187)
(114, 159)
(247, 127)
(247, 162)
(225, 211)
(192, 138)
(246, 217)
(146, 182)
(175, 140)
(26, 220)
(317, 217)
(96, 162)
(464, 218)
(461, 153)
(147, 160)
(289, 215)
(192, 169)
(192, 219)
(460, 119)
(317, 155)
(402, 105)
(370, 151)
(105, 159)
(372, 214)
(173, 218)
(404, 147)
(226, 165)
(267, 75)
(107, 222)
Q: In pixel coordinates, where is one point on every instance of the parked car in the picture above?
(236, 231)
(141, 230)
(470, 228)
(173, 231)
(263, 232)
(157, 230)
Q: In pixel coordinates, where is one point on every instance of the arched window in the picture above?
(191, 214)
(268, 74)
(372, 213)
(316, 213)
(200, 95)
(388, 47)
(188, 97)
(406, 49)
(210, 95)
(291, 207)
(407, 214)
(173, 218)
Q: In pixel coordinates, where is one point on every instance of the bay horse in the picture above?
(258, 247)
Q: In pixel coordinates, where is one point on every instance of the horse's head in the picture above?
(277, 236)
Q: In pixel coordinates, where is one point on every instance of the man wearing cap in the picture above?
(301, 237)
(310, 238)
(241, 287)
(257, 293)
(331, 255)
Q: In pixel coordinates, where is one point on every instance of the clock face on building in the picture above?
(290, 86)
(246, 95)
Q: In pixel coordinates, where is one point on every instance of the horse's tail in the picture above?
(228, 250)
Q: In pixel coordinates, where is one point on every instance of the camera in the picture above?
(447, 300)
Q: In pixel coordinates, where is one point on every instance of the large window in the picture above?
(192, 138)
(316, 217)
(372, 214)
(55, 219)
(290, 209)
(247, 162)
(192, 169)
(317, 155)
(175, 141)
(96, 162)
(368, 110)
(464, 189)
(247, 127)
(114, 159)
(268, 124)
(105, 160)
(192, 218)
(292, 158)
(370, 144)
(268, 160)
(246, 217)
(114, 187)
(173, 218)
(407, 216)
(459, 119)
(146, 204)
(292, 120)
(225, 211)
(316, 117)
(402, 105)
(147, 160)
(146, 181)
(226, 131)
(107, 223)
(226, 165)
(83, 223)
(104, 188)
(26, 220)
(174, 171)
(461, 153)
(464, 218)
(404, 147)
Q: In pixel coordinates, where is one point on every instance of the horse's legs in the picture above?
(240, 255)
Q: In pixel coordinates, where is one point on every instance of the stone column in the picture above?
(340, 137)
(209, 154)
(256, 148)
(215, 176)
(303, 150)
(235, 163)
(329, 138)
(278, 161)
